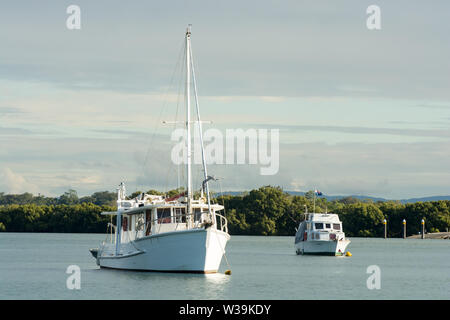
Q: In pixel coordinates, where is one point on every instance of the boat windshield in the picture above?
(318, 226)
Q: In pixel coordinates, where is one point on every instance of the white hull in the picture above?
(322, 247)
(194, 250)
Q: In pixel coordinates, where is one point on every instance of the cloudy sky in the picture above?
(359, 111)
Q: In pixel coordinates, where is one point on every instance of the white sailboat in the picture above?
(178, 234)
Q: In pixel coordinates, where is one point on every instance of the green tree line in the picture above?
(270, 211)
(264, 211)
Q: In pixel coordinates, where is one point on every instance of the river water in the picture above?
(33, 266)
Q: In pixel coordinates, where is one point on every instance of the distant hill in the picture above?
(434, 198)
(331, 198)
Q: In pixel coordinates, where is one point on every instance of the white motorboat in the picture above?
(178, 234)
(321, 234)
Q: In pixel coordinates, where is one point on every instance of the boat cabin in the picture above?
(151, 214)
(320, 226)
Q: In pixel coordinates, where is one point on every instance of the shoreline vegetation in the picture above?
(264, 211)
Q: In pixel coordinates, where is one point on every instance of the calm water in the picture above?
(33, 266)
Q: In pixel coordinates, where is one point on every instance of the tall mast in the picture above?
(188, 118)
(199, 121)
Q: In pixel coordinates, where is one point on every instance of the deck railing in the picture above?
(222, 223)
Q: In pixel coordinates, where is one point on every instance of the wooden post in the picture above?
(423, 229)
(385, 228)
(404, 229)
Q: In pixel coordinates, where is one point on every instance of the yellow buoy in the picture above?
(228, 272)
(348, 254)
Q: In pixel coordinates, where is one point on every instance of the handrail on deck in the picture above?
(223, 222)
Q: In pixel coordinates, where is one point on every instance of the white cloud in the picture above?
(12, 182)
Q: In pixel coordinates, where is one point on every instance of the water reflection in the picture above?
(213, 278)
(217, 285)
(163, 285)
(217, 278)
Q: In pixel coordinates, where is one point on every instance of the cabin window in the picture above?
(327, 225)
(148, 220)
(336, 226)
(164, 215)
(180, 215)
(197, 214)
(139, 223)
(318, 226)
(124, 223)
